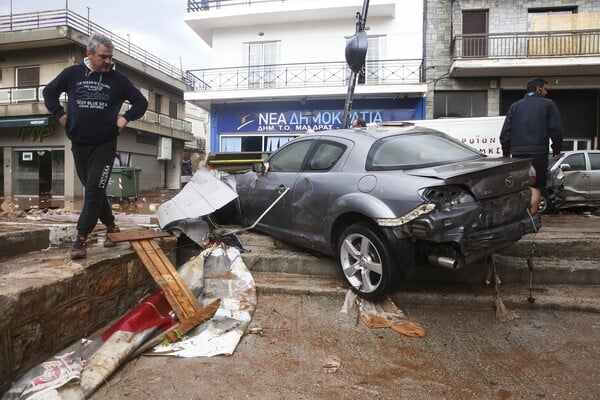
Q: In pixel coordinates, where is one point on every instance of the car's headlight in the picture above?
(446, 196)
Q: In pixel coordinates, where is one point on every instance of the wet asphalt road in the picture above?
(466, 354)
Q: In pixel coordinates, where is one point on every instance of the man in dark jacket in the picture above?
(529, 125)
(92, 121)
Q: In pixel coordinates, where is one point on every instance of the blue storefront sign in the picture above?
(295, 117)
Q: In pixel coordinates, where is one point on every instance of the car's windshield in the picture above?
(417, 150)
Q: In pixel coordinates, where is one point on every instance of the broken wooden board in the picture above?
(141, 234)
(188, 310)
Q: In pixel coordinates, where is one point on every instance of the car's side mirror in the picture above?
(261, 167)
(565, 167)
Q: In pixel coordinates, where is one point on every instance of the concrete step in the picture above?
(581, 267)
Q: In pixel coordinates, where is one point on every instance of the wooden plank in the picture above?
(140, 234)
(186, 306)
(175, 283)
(164, 278)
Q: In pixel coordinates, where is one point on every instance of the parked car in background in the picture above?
(380, 198)
(573, 180)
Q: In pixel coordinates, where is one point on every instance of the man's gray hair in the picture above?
(97, 39)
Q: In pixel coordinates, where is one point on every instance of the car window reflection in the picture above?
(406, 151)
(576, 162)
(325, 157)
(290, 158)
(595, 161)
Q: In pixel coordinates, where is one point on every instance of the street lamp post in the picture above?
(356, 51)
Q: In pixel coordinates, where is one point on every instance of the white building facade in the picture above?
(280, 70)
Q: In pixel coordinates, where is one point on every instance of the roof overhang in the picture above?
(24, 121)
(204, 100)
(547, 66)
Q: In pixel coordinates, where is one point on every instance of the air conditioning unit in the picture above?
(165, 148)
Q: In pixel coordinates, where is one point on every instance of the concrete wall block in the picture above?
(107, 278)
(8, 309)
(70, 322)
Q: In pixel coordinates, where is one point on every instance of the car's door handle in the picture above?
(281, 189)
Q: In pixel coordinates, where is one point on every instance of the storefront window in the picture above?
(26, 176)
(39, 173)
(253, 142)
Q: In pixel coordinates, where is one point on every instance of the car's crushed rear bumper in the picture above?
(500, 236)
(463, 246)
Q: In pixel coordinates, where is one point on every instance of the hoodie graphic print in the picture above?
(94, 102)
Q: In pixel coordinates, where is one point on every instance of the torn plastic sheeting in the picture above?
(225, 277)
(204, 194)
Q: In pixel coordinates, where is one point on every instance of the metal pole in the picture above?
(88, 16)
(360, 26)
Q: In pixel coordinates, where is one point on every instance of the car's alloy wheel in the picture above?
(365, 261)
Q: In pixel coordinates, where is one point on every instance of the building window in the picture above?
(28, 76)
(256, 142)
(157, 102)
(262, 60)
(546, 11)
(370, 72)
(459, 104)
(173, 109)
(475, 30)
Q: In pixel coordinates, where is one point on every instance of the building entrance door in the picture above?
(38, 177)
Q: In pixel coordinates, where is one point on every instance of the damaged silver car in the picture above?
(380, 198)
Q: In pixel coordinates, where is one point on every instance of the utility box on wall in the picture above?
(165, 148)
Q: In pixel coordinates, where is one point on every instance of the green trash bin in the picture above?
(123, 183)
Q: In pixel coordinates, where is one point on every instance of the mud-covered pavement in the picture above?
(467, 354)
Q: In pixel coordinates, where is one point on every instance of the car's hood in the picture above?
(485, 177)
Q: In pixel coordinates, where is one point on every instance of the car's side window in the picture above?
(325, 156)
(595, 161)
(576, 161)
(290, 157)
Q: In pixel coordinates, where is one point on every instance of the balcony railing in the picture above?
(33, 94)
(53, 18)
(205, 5)
(276, 76)
(528, 44)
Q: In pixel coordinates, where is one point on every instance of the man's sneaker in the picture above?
(78, 249)
(110, 229)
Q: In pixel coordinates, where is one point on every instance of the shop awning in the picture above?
(24, 121)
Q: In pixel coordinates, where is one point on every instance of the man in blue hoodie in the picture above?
(92, 121)
(529, 125)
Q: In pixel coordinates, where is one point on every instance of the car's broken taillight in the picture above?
(447, 196)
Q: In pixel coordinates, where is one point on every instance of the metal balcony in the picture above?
(56, 18)
(304, 75)
(21, 95)
(523, 53)
(528, 44)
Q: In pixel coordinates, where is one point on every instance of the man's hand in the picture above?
(62, 121)
(121, 123)
(556, 156)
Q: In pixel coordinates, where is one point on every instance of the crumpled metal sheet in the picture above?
(226, 277)
(204, 194)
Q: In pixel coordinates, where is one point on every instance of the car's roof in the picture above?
(375, 132)
(580, 151)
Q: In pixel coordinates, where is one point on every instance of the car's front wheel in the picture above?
(366, 261)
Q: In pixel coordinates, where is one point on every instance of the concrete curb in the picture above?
(514, 296)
